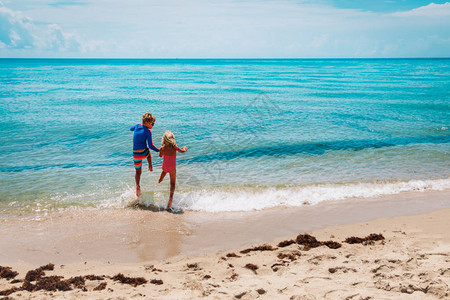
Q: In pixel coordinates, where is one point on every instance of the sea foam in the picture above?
(247, 199)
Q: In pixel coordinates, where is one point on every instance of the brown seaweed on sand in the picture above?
(251, 267)
(264, 247)
(94, 277)
(9, 291)
(36, 280)
(100, 287)
(354, 240)
(332, 244)
(291, 256)
(27, 286)
(375, 237)
(286, 243)
(368, 240)
(192, 266)
(308, 241)
(16, 281)
(7, 272)
(232, 255)
(156, 281)
(48, 283)
(33, 275)
(261, 291)
(49, 267)
(233, 277)
(276, 266)
(77, 281)
(52, 283)
(134, 281)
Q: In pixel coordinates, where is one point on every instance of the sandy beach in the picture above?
(411, 262)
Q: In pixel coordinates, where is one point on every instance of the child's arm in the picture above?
(150, 143)
(133, 128)
(161, 151)
(182, 150)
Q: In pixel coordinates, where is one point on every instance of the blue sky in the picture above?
(224, 28)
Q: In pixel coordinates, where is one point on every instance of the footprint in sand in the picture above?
(318, 259)
(302, 297)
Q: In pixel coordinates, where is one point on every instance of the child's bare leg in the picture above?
(137, 178)
(173, 178)
(149, 160)
(163, 174)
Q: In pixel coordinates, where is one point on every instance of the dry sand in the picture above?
(413, 262)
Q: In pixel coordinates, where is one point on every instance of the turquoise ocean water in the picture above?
(260, 133)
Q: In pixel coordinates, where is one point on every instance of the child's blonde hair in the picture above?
(168, 139)
(148, 117)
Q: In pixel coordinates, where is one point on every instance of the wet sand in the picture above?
(136, 235)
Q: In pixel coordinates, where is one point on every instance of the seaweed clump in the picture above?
(368, 240)
(291, 256)
(33, 275)
(308, 241)
(375, 237)
(7, 273)
(94, 277)
(286, 243)
(48, 283)
(133, 281)
(194, 266)
(36, 280)
(158, 281)
(354, 240)
(232, 255)
(332, 244)
(251, 267)
(264, 247)
(52, 283)
(16, 281)
(77, 281)
(9, 291)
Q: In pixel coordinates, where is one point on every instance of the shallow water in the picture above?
(261, 133)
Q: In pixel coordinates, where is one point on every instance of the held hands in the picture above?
(184, 148)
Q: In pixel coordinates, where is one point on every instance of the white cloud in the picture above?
(59, 40)
(430, 10)
(225, 28)
(15, 29)
(18, 31)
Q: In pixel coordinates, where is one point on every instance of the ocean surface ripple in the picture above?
(261, 133)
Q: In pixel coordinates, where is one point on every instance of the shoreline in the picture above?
(135, 235)
(412, 262)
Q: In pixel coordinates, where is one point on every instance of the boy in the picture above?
(141, 138)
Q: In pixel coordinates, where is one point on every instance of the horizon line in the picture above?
(217, 58)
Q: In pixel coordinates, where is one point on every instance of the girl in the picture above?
(169, 150)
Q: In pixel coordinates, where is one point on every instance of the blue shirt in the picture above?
(142, 136)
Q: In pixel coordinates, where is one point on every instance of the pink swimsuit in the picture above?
(169, 162)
